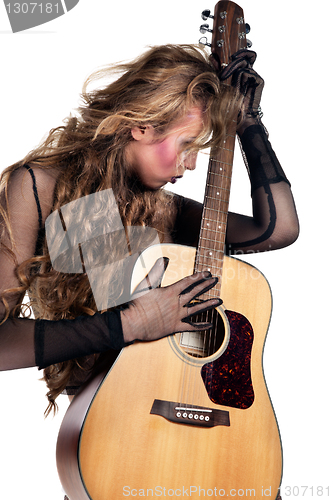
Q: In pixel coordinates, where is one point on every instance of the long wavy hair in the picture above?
(88, 151)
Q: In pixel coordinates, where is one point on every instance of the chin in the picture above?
(152, 188)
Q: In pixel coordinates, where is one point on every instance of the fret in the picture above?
(217, 203)
(219, 188)
(211, 240)
(223, 167)
(220, 166)
(210, 253)
(214, 267)
(229, 138)
(210, 258)
(218, 193)
(214, 221)
(218, 231)
(225, 212)
(221, 174)
(210, 266)
(208, 237)
(221, 162)
(219, 181)
(221, 208)
(215, 270)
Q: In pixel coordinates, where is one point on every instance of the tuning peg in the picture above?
(205, 14)
(247, 28)
(248, 43)
(203, 41)
(204, 28)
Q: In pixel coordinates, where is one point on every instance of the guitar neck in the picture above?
(229, 36)
(210, 252)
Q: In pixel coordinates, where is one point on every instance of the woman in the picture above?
(132, 137)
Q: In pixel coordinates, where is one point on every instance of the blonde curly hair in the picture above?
(158, 88)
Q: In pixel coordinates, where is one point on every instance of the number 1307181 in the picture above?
(33, 8)
(302, 491)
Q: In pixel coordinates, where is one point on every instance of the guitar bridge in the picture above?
(190, 414)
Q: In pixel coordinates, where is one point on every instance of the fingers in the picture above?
(231, 68)
(249, 55)
(201, 283)
(153, 278)
(156, 273)
(197, 327)
(244, 79)
(200, 307)
(187, 284)
(203, 306)
(239, 61)
(197, 309)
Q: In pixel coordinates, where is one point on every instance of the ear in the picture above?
(143, 133)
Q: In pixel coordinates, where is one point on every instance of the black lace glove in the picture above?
(152, 314)
(246, 80)
(262, 164)
(167, 310)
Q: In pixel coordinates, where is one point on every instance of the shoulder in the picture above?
(188, 220)
(184, 204)
(31, 184)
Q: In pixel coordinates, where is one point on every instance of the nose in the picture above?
(190, 161)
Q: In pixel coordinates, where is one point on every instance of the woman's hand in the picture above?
(246, 80)
(164, 311)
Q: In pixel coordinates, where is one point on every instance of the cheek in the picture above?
(166, 154)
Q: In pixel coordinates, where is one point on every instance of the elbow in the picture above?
(287, 234)
(294, 233)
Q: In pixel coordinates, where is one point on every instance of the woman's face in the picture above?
(157, 162)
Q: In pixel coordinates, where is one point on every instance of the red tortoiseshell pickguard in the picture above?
(228, 378)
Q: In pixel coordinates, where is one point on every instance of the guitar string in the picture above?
(221, 200)
(211, 334)
(217, 202)
(238, 47)
(202, 317)
(209, 345)
(209, 337)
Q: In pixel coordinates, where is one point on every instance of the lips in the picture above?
(174, 179)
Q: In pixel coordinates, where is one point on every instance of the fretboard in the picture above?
(210, 251)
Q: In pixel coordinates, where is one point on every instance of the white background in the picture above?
(42, 73)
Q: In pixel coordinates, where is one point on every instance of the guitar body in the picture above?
(116, 446)
(185, 416)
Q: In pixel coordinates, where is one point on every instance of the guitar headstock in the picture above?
(228, 33)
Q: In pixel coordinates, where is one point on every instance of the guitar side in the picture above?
(120, 446)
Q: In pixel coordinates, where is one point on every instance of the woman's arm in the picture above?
(19, 205)
(273, 224)
(274, 221)
(151, 315)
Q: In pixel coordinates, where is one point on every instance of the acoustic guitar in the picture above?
(188, 415)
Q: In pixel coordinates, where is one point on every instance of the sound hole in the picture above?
(206, 342)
